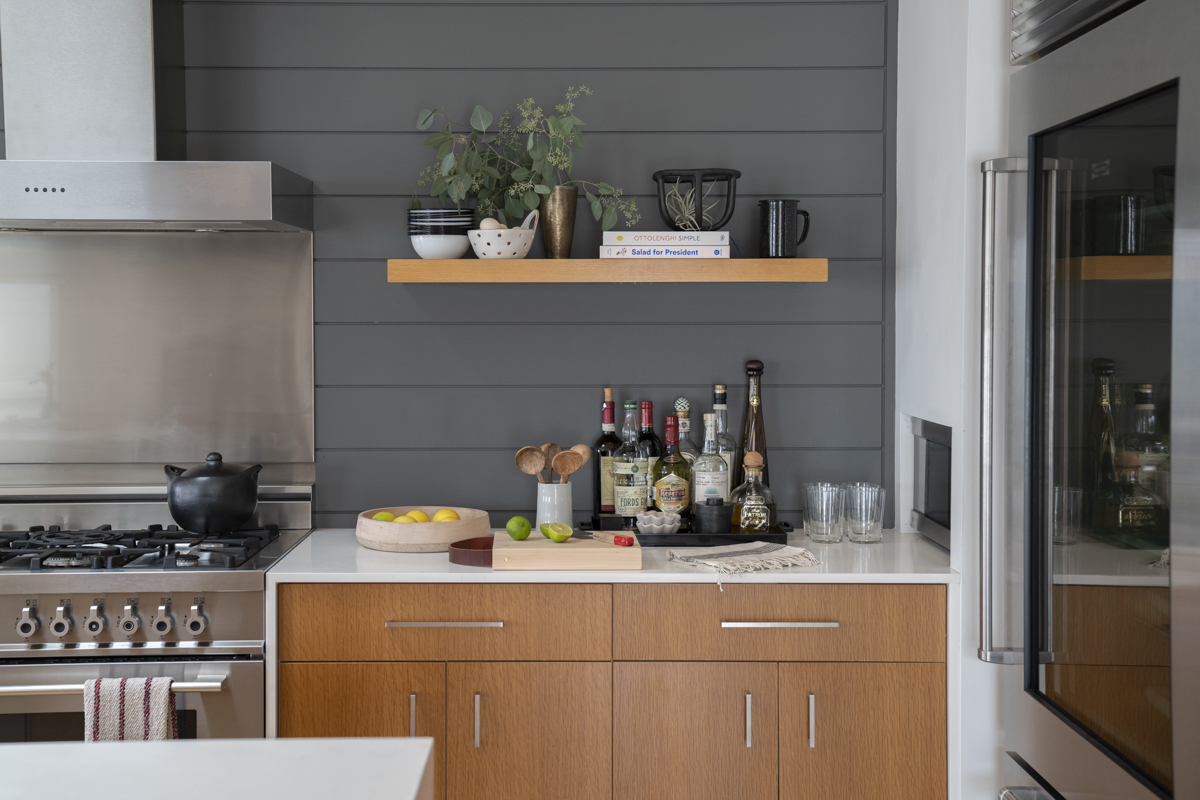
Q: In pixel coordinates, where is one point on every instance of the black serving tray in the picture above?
(778, 535)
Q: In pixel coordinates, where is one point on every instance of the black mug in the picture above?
(778, 220)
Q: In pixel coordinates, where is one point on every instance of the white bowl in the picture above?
(657, 522)
(507, 243)
(429, 245)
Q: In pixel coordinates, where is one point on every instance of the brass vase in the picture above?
(558, 220)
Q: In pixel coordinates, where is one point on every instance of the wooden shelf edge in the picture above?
(612, 270)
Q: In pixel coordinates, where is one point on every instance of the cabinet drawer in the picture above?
(445, 622)
(812, 622)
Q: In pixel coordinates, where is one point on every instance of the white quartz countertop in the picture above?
(333, 555)
(1089, 562)
(228, 769)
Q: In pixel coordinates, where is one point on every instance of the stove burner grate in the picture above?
(105, 548)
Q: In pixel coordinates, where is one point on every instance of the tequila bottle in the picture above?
(673, 477)
(727, 445)
(710, 473)
(1145, 441)
(754, 509)
(629, 471)
(754, 431)
(1127, 507)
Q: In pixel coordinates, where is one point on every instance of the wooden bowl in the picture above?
(419, 537)
(475, 552)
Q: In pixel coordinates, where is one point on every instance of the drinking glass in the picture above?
(1068, 514)
(864, 511)
(823, 512)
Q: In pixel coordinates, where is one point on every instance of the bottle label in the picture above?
(685, 426)
(1137, 517)
(727, 457)
(671, 494)
(648, 491)
(755, 515)
(606, 485)
(753, 399)
(622, 467)
(711, 484)
(609, 427)
(719, 407)
(650, 462)
(630, 500)
(1151, 459)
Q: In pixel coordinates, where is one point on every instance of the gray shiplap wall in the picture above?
(425, 392)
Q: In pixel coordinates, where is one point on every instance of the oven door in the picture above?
(43, 702)
(1097, 325)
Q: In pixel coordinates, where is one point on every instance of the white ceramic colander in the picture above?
(510, 243)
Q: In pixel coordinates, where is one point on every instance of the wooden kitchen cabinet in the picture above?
(540, 730)
(685, 730)
(869, 731)
(366, 699)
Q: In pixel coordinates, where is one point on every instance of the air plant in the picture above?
(682, 208)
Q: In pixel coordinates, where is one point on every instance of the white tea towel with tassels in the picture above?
(119, 709)
(732, 559)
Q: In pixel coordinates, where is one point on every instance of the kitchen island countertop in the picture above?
(333, 555)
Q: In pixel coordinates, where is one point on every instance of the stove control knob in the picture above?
(95, 622)
(129, 623)
(195, 622)
(28, 624)
(162, 623)
(61, 625)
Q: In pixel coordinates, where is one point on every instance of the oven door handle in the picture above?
(206, 683)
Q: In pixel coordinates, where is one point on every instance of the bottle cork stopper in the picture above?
(608, 394)
(753, 459)
(710, 418)
(754, 365)
(1127, 459)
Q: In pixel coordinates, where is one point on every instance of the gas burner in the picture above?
(57, 538)
(187, 559)
(155, 547)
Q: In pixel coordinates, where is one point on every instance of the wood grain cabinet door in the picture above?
(526, 731)
(366, 699)
(862, 731)
(695, 731)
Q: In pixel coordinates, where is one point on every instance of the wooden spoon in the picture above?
(531, 461)
(566, 462)
(550, 450)
(584, 451)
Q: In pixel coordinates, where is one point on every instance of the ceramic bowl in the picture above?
(657, 522)
(431, 245)
(510, 243)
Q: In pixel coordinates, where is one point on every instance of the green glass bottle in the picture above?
(673, 477)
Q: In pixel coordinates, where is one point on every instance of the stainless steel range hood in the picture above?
(93, 95)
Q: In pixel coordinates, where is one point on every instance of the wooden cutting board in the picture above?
(539, 553)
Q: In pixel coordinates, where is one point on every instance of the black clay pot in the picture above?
(214, 497)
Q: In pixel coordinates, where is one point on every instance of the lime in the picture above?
(417, 515)
(518, 528)
(445, 515)
(556, 531)
(404, 519)
(384, 516)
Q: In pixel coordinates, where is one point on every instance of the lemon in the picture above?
(556, 531)
(384, 516)
(518, 528)
(417, 515)
(404, 519)
(445, 515)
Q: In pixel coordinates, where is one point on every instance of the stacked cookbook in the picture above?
(665, 244)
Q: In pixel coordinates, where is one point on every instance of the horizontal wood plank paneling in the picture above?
(374, 227)
(358, 417)
(389, 163)
(666, 100)
(351, 291)
(581, 355)
(579, 36)
(354, 480)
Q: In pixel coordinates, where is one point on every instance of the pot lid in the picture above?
(214, 467)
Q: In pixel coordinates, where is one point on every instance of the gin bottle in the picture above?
(629, 471)
(1145, 441)
(727, 445)
(710, 473)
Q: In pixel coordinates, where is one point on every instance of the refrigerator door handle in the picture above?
(987, 650)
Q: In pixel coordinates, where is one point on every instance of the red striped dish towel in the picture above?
(119, 709)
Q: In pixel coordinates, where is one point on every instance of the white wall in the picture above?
(952, 78)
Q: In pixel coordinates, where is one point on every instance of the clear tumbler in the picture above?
(864, 511)
(823, 512)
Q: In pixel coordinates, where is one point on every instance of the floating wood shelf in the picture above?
(1115, 268)
(609, 270)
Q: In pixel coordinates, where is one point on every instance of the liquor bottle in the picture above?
(754, 509)
(1128, 507)
(754, 432)
(629, 471)
(602, 464)
(652, 446)
(673, 477)
(1145, 440)
(1100, 446)
(687, 448)
(727, 446)
(710, 473)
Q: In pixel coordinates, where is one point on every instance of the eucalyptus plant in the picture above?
(508, 175)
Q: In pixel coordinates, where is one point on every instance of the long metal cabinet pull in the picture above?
(812, 720)
(412, 714)
(396, 624)
(987, 651)
(780, 625)
(749, 726)
(205, 683)
(477, 719)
